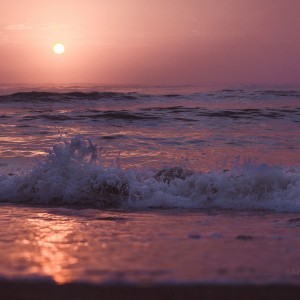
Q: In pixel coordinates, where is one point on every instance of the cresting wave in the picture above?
(75, 173)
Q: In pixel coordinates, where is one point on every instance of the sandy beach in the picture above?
(20, 290)
(157, 254)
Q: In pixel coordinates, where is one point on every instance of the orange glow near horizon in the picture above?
(156, 42)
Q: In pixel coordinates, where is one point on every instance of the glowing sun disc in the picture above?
(59, 48)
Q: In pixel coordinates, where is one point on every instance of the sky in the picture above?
(150, 42)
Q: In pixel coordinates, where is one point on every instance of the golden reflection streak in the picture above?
(54, 247)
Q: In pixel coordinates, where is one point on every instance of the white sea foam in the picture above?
(75, 173)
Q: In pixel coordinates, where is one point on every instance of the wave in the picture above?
(136, 94)
(178, 113)
(36, 96)
(281, 93)
(74, 172)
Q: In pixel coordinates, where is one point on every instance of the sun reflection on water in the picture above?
(53, 247)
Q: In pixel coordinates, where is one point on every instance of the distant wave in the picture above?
(95, 95)
(178, 113)
(282, 93)
(74, 173)
(54, 96)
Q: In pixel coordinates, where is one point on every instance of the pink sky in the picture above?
(150, 41)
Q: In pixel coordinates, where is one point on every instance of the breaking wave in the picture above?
(74, 172)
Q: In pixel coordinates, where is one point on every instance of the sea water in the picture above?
(150, 183)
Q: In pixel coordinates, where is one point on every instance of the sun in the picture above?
(59, 48)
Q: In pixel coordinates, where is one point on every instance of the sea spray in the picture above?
(74, 173)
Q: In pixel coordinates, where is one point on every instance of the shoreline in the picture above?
(25, 290)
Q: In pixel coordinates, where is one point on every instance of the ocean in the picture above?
(132, 184)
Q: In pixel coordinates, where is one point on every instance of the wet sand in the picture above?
(21, 290)
(61, 253)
